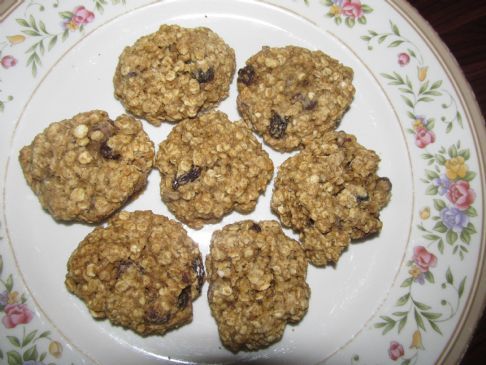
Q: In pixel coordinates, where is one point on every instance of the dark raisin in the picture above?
(204, 76)
(310, 222)
(183, 298)
(307, 103)
(187, 177)
(106, 127)
(246, 75)
(278, 125)
(186, 279)
(123, 265)
(362, 198)
(107, 152)
(198, 268)
(256, 227)
(152, 316)
(132, 74)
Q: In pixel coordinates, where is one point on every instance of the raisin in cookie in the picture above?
(257, 283)
(210, 167)
(85, 168)
(330, 194)
(141, 271)
(292, 96)
(174, 73)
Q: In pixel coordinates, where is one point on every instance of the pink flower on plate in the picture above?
(461, 195)
(424, 137)
(16, 314)
(395, 351)
(423, 258)
(81, 15)
(403, 59)
(8, 61)
(352, 9)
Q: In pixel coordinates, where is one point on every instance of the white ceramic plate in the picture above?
(409, 296)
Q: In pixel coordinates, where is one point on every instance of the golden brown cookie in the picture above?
(330, 194)
(210, 167)
(257, 283)
(292, 96)
(141, 271)
(174, 73)
(85, 168)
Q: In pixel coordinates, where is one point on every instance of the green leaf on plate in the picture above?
(9, 283)
(449, 277)
(429, 277)
(440, 227)
(31, 354)
(451, 237)
(394, 28)
(465, 236)
(402, 323)
(439, 204)
(435, 327)
(431, 190)
(407, 282)
(14, 358)
(403, 300)
(462, 285)
(421, 306)
(440, 246)
(29, 338)
(452, 151)
(431, 174)
(395, 44)
(14, 341)
(419, 320)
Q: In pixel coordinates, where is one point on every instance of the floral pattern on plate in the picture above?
(447, 188)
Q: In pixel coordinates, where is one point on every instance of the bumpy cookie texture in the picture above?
(85, 168)
(292, 96)
(174, 73)
(330, 194)
(210, 167)
(257, 283)
(141, 271)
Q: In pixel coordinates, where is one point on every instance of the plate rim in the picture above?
(464, 330)
(475, 304)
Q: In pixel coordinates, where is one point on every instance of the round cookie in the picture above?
(85, 168)
(257, 283)
(174, 73)
(330, 194)
(141, 271)
(292, 96)
(210, 167)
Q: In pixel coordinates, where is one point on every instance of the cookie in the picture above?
(330, 194)
(210, 167)
(292, 96)
(174, 73)
(85, 168)
(257, 283)
(141, 271)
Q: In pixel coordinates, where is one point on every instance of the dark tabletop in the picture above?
(462, 27)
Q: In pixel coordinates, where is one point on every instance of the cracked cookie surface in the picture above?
(292, 96)
(141, 271)
(85, 168)
(330, 193)
(257, 283)
(210, 167)
(174, 73)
